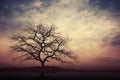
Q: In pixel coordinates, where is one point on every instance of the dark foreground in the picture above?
(57, 73)
(59, 76)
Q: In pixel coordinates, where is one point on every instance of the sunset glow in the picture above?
(93, 32)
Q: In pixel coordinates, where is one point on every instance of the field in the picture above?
(56, 74)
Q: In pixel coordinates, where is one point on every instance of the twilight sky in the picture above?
(92, 25)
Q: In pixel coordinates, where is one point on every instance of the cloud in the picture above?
(87, 26)
(111, 5)
(116, 40)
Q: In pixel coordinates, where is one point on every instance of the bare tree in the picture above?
(41, 43)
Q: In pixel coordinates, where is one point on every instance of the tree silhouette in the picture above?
(41, 43)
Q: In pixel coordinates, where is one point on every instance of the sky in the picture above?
(92, 26)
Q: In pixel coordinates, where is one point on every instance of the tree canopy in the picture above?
(41, 43)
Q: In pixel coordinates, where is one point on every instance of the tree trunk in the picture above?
(43, 66)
